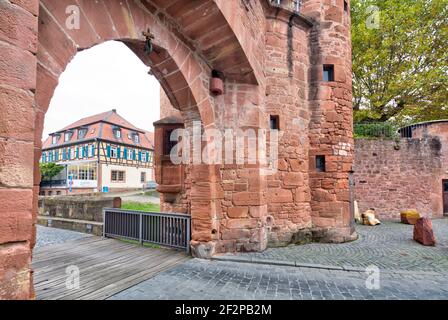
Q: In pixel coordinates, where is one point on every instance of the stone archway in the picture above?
(272, 59)
(181, 72)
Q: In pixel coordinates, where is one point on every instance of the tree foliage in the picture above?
(49, 170)
(400, 68)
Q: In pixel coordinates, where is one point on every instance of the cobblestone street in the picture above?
(407, 270)
(50, 236)
(209, 280)
(389, 246)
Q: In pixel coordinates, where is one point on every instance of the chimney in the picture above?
(114, 110)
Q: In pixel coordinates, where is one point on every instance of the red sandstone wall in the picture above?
(287, 65)
(330, 105)
(394, 176)
(18, 186)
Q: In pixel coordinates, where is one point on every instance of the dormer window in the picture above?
(68, 136)
(55, 139)
(82, 133)
(135, 137)
(117, 132)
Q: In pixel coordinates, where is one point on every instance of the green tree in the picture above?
(400, 67)
(49, 170)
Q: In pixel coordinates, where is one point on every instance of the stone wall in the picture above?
(272, 60)
(82, 214)
(392, 176)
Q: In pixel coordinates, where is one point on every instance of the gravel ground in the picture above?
(50, 236)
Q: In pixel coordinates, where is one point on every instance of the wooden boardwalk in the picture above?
(106, 267)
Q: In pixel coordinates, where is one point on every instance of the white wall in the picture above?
(132, 178)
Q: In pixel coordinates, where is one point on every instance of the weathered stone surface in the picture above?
(409, 216)
(423, 232)
(392, 176)
(266, 74)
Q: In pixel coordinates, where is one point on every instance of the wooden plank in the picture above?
(107, 266)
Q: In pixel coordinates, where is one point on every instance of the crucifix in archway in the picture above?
(148, 43)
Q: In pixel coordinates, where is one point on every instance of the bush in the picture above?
(376, 130)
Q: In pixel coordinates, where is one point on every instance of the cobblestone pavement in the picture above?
(389, 246)
(49, 236)
(210, 280)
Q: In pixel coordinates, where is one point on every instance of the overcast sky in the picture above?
(105, 77)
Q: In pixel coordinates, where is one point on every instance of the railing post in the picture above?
(104, 223)
(140, 234)
(188, 235)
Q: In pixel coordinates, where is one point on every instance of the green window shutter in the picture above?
(139, 156)
(118, 153)
(134, 157)
(147, 156)
(108, 151)
(69, 153)
(93, 150)
(77, 152)
(125, 153)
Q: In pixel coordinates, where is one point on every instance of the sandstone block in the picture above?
(423, 232)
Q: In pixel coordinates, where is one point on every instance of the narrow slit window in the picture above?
(274, 122)
(320, 164)
(345, 6)
(328, 72)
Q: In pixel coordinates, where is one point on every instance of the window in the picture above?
(86, 171)
(274, 123)
(113, 152)
(55, 139)
(117, 133)
(130, 154)
(143, 177)
(58, 193)
(91, 150)
(328, 72)
(136, 138)
(82, 133)
(117, 176)
(345, 6)
(168, 145)
(83, 172)
(320, 164)
(144, 157)
(68, 136)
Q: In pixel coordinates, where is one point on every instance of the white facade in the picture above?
(130, 178)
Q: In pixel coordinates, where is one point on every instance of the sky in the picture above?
(105, 77)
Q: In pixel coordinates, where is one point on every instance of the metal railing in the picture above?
(53, 183)
(164, 229)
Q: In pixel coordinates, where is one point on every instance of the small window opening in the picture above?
(320, 164)
(345, 6)
(274, 122)
(328, 72)
(168, 144)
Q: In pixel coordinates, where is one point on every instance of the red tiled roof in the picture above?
(109, 116)
(101, 126)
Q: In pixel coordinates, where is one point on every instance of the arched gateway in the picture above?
(283, 66)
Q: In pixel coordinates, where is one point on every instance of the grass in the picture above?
(145, 244)
(137, 206)
(152, 193)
